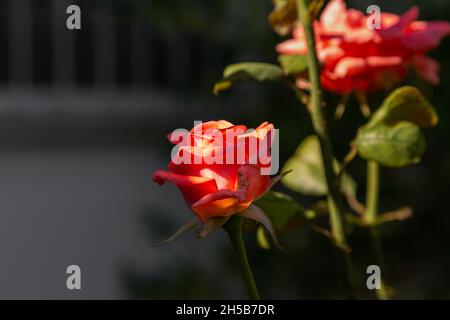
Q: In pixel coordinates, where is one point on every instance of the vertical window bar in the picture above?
(20, 20)
(104, 39)
(63, 43)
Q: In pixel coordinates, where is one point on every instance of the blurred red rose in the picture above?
(356, 57)
(207, 169)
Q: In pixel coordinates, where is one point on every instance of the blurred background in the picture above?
(83, 121)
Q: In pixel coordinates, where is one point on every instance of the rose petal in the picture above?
(427, 68)
(397, 28)
(219, 195)
(332, 82)
(219, 208)
(257, 144)
(334, 16)
(388, 20)
(360, 35)
(193, 188)
(425, 36)
(330, 53)
(161, 176)
(349, 66)
(220, 124)
(252, 182)
(380, 62)
(292, 46)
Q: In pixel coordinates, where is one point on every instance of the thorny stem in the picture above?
(320, 127)
(335, 203)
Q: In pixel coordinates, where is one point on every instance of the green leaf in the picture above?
(308, 176)
(222, 85)
(391, 146)
(261, 238)
(293, 64)
(392, 137)
(248, 71)
(405, 104)
(280, 208)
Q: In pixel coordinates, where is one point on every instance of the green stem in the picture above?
(337, 230)
(372, 198)
(234, 230)
(320, 127)
(372, 191)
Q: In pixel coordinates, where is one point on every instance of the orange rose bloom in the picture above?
(224, 187)
(356, 57)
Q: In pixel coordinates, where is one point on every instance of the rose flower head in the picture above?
(358, 54)
(220, 168)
